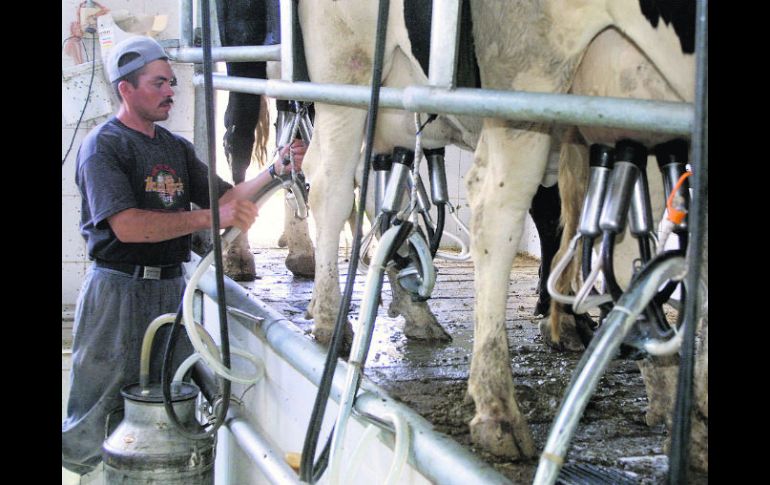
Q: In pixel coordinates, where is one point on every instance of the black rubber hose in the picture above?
(165, 382)
(588, 245)
(665, 294)
(435, 239)
(608, 243)
(307, 471)
(644, 248)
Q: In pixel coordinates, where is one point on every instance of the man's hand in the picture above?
(238, 213)
(296, 150)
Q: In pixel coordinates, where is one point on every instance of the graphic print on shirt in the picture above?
(164, 181)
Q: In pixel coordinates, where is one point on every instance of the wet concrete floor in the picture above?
(432, 378)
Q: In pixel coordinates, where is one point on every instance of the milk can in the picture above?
(146, 448)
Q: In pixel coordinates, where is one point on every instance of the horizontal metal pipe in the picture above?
(227, 54)
(635, 114)
(251, 442)
(438, 457)
(259, 449)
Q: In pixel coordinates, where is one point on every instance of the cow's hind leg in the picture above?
(508, 169)
(241, 117)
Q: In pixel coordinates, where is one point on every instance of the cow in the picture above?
(420, 323)
(247, 124)
(519, 45)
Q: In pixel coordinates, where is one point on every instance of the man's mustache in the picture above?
(168, 101)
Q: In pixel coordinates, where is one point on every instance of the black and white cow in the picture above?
(543, 46)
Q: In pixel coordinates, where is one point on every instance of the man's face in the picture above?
(151, 99)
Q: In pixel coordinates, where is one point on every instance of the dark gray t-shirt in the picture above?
(119, 168)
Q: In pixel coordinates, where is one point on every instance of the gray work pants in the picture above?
(112, 313)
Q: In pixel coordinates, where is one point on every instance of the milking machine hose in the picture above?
(308, 472)
(435, 240)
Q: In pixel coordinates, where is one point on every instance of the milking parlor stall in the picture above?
(546, 323)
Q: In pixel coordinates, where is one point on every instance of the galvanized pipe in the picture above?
(287, 12)
(256, 447)
(185, 23)
(436, 456)
(250, 441)
(227, 54)
(635, 114)
(444, 39)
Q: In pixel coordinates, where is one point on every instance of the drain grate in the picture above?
(587, 474)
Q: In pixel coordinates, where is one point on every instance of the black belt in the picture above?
(144, 272)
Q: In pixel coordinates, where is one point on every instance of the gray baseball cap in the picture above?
(148, 50)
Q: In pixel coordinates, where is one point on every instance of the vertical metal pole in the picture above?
(287, 39)
(185, 23)
(200, 127)
(680, 433)
(216, 35)
(444, 39)
(201, 239)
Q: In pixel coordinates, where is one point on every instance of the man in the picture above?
(137, 181)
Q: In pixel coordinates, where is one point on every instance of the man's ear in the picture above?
(124, 87)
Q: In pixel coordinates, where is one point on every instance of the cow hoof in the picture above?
(301, 265)
(239, 269)
(429, 333)
(569, 338)
(542, 307)
(324, 337)
(498, 437)
(238, 261)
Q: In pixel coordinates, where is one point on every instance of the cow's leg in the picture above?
(241, 117)
(240, 120)
(337, 137)
(300, 260)
(545, 211)
(508, 169)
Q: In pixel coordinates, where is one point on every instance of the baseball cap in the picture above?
(148, 50)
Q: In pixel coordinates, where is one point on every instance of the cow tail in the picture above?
(262, 133)
(573, 181)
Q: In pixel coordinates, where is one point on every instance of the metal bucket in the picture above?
(146, 448)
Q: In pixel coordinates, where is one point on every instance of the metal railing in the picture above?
(436, 456)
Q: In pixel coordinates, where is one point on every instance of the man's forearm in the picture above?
(143, 226)
(247, 189)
